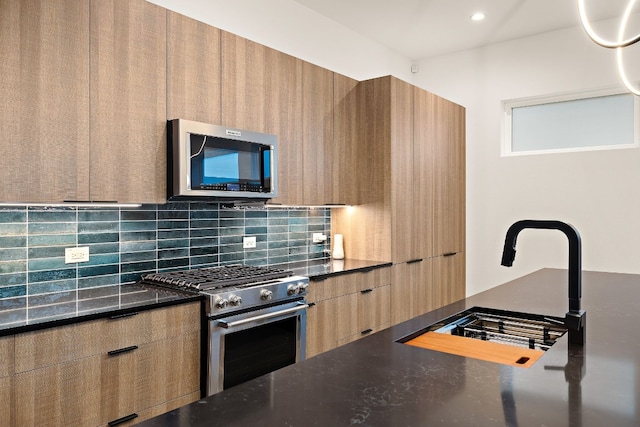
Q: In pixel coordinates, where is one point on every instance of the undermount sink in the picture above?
(507, 337)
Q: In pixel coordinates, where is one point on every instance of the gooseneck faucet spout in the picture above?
(575, 319)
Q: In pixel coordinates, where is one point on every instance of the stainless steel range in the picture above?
(256, 319)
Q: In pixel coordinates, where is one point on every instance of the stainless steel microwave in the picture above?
(213, 161)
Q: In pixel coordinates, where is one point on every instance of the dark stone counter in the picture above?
(323, 268)
(378, 382)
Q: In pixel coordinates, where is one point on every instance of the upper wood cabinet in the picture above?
(283, 118)
(44, 113)
(349, 159)
(317, 134)
(243, 83)
(128, 101)
(193, 70)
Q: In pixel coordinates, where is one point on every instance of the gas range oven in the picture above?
(256, 318)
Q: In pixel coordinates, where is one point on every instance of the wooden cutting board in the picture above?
(478, 349)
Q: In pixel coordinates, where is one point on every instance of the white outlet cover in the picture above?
(75, 255)
(249, 242)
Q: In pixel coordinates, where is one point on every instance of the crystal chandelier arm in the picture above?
(599, 40)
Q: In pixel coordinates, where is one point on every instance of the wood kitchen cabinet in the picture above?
(448, 279)
(193, 70)
(6, 378)
(243, 83)
(347, 307)
(317, 134)
(419, 213)
(96, 372)
(411, 290)
(44, 113)
(128, 101)
(84, 110)
(283, 96)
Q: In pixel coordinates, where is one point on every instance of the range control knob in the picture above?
(235, 300)
(302, 287)
(266, 295)
(220, 302)
(293, 289)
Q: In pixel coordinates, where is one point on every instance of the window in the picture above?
(570, 122)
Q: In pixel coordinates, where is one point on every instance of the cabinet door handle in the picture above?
(366, 331)
(413, 261)
(450, 254)
(366, 291)
(311, 304)
(120, 316)
(122, 350)
(122, 420)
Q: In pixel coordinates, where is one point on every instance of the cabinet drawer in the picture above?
(102, 388)
(373, 278)
(345, 284)
(65, 343)
(6, 356)
(331, 287)
(374, 309)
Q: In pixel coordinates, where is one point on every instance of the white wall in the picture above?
(292, 28)
(595, 191)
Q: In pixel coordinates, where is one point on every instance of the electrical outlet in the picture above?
(249, 242)
(78, 254)
(318, 238)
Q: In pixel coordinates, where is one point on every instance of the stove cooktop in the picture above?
(211, 278)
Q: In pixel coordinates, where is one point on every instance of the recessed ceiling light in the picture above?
(478, 16)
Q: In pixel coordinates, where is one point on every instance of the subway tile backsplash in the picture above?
(127, 242)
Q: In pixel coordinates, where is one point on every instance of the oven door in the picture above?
(247, 345)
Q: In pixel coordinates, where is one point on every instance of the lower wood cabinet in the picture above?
(6, 379)
(155, 367)
(347, 307)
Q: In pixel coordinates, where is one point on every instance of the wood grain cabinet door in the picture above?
(44, 87)
(193, 70)
(283, 111)
(6, 379)
(243, 83)
(128, 101)
(317, 134)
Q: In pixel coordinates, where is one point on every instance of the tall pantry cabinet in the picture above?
(413, 214)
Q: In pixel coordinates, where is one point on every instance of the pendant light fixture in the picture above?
(618, 45)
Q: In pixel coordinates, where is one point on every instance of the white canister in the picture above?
(338, 247)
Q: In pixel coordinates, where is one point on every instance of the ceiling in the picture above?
(420, 29)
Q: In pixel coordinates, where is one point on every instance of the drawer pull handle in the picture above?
(122, 350)
(413, 261)
(317, 279)
(366, 291)
(450, 254)
(122, 420)
(366, 331)
(120, 316)
(311, 304)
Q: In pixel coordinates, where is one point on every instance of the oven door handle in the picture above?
(227, 325)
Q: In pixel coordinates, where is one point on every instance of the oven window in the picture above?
(257, 351)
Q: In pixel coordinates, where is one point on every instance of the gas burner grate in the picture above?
(216, 277)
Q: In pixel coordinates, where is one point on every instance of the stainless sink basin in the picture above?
(532, 333)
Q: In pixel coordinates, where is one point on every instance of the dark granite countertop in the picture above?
(19, 315)
(378, 382)
(323, 268)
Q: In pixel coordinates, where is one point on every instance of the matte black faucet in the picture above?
(575, 319)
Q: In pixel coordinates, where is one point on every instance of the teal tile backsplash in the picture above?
(127, 242)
